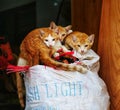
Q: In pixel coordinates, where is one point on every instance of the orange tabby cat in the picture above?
(62, 31)
(34, 50)
(79, 42)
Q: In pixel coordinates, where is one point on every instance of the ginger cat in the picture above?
(80, 42)
(36, 50)
(62, 32)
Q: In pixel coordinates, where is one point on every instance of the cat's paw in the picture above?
(84, 70)
(81, 69)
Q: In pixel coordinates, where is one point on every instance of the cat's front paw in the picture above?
(81, 69)
(84, 70)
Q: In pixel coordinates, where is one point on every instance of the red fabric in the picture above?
(63, 54)
(7, 49)
(13, 68)
(5, 53)
(66, 57)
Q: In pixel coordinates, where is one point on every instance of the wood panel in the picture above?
(86, 17)
(109, 49)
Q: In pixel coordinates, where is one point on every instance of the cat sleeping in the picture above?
(36, 49)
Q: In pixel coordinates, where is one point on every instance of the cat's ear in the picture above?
(53, 25)
(68, 29)
(91, 38)
(42, 32)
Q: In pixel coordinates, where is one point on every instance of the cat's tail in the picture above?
(20, 90)
(20, 84)
(68, 67)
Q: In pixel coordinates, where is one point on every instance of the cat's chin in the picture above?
(50, 46)
(83, 53)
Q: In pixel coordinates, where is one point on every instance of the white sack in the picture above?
(50, 89)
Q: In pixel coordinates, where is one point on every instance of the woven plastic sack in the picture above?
(50, 89)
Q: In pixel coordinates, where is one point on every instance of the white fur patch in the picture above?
(21, 62)
(50, 41)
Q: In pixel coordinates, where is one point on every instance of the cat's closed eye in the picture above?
(78, 45)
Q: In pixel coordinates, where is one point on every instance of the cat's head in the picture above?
(61, 31)
(82, 42)
(49, 37)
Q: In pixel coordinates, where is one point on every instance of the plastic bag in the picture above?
(50, 89)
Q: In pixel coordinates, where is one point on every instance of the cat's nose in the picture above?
(82, 51)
